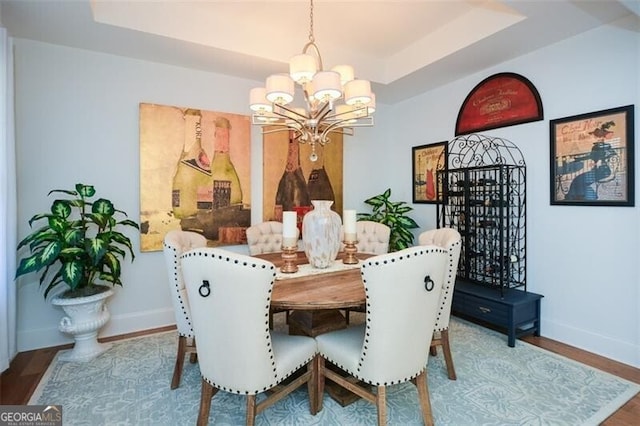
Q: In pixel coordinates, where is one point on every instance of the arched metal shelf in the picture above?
(482, 194)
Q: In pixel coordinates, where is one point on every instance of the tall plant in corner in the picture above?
(392, 214)
(79, 246)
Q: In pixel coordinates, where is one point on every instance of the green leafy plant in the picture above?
(392, 214)
(79, 245)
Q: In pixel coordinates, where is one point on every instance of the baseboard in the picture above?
(606, 346)
(118, 324)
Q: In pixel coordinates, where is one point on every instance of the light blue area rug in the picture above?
(497, 385)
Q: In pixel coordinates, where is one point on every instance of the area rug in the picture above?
(497, 385)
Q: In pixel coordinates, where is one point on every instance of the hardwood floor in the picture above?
(20, 380)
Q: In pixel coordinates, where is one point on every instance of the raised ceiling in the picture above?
(404, 47)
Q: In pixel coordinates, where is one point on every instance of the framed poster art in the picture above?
(194, 174)
(592, 161)
(501, 100)
(291, 180)
(424, 171)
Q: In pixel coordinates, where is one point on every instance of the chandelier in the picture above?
(334, 101)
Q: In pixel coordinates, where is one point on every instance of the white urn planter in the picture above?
(84, 318)
(321, 234)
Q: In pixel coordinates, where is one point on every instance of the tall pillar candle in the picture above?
(289, 229)
(349, 218)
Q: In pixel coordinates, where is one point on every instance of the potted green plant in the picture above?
(394, 215)
(79, 250)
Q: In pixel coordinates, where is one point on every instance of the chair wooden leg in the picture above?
(193, 358)
(320, 382)
(251, 410)
(346, 315)
(423, 395)
(381, 405)
(446, 349)
(206, 394)
(177, 370)
(312, 384)
(433, 350)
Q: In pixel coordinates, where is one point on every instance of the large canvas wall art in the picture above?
(291, 180)
(194, 174)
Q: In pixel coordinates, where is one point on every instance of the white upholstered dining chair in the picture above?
(450, 240)
(266, 237)
(230, 295)
(175, 243)
(392, 346)
(373, 238)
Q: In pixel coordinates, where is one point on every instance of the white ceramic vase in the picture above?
(321, 234)
(85, 317)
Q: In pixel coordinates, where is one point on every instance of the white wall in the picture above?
(584, 260)
(77, 121)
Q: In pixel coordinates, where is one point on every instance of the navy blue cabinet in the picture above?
(516, 311)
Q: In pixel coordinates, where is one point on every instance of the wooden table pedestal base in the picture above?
(313, 323)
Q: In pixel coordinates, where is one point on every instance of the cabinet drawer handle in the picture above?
(484, 310)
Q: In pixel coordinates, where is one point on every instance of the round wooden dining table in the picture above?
(320, 290)
(315, 299)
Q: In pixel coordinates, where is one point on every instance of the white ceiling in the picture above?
(404, 47)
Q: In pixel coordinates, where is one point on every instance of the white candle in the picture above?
(289, 229)
(349, 220)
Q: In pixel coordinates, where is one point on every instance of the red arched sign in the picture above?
(501, 100)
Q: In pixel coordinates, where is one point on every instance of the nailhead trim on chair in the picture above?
(257, 391)
(368, 320)
(267, 334)
(359, 377)
(448, 287)
(176, 260)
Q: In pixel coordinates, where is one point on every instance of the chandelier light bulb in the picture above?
(280, 89)
(258, 100)
(357, 92)
(302, 68)
(327, 85)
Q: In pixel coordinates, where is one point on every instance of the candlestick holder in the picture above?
(350, 251)
(289, 256)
